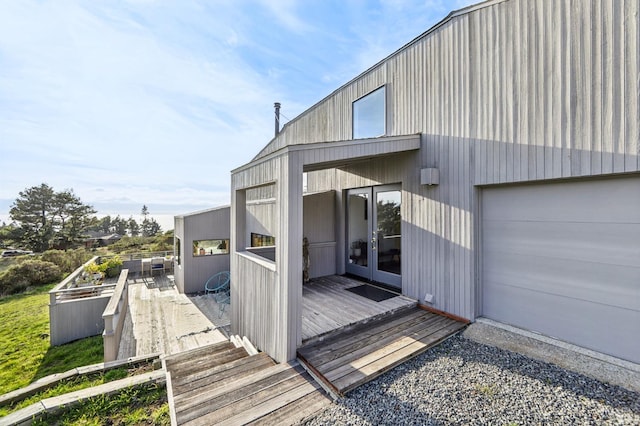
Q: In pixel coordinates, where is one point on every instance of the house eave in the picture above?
(452, 15)
(322, 155)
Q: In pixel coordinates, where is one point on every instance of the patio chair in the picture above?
(157, 264)
(223, 300)
(220, 286)
(218, 283)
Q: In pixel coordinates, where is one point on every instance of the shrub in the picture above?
(31, 272)
(110, 267)
(68, 261)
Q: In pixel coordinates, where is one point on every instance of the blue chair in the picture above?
(220, 286)
(218, 283)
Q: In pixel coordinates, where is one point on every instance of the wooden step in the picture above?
(355, 357)
(341, 344)
(238, 397)
(222, 384)
(338, 330)
(297, 411)
(206, 363)
(197, 353)
(229, 371)
(269, 401)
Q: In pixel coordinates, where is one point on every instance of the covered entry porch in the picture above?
(329, 307)
(269, 205)
(349, 339)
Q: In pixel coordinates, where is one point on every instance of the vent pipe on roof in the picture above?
(277, 107)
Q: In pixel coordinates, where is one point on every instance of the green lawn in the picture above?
(25, 354)
(145, 405)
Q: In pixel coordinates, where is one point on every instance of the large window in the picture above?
(369, 115)
(210, 247)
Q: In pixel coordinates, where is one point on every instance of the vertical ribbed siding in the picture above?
(267, 297)
(545, 89)
(517, 91)
(209, 225)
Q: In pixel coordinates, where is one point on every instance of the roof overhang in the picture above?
(325, 155)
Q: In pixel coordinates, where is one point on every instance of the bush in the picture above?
(110, 267)
(68, 261)
(31, 272)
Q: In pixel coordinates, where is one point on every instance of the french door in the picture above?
(374, 238)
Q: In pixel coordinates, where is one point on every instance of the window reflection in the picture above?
(369, 115)
(210, 247)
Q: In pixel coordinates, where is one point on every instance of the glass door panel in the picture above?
(374, 238)
(388, 236)
(388, 231)
(358, 230)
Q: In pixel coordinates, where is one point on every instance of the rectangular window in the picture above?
(369, 115)
(176, 250)
(210, 247)
(260, 240)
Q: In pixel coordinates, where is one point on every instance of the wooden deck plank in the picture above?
(295, 412)
(208, 363)
(245, 398)
(165, 321)
(212, 371)
(328, 306)
(345, 366)
(352, 358)
(218, 395)
(380, 366)
(371, 345)
(362, 336)
(197, 353)
(264, 408)
(187, 386)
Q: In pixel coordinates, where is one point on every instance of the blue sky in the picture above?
(154, 102)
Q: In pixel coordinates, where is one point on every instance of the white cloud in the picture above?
(155, 102)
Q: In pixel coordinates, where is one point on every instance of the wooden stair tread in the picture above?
(236, 369)
(358, 356)
(209, 363)
(232, 403)
(197, 353)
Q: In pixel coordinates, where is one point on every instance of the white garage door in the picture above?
(563, 259)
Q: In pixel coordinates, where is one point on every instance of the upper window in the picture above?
(369, 115)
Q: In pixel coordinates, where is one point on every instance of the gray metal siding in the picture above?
(517, 91)
(266, 296)
(206, 225)
(563, 259)
(178, 269)
(510, 92)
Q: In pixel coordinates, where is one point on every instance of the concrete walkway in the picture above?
(161, 320)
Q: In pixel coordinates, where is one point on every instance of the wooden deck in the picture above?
(327, 307)
(222, 384)
(349, 359)
(161, 320)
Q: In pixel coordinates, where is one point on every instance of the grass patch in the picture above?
(133, 406)
(78, 383)
(25, 354)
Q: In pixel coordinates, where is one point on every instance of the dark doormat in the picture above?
(372, 293)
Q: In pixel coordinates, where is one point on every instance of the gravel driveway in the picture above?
(464, 382)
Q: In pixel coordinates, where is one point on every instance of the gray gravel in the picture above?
(464, 382)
